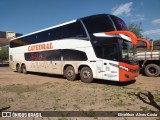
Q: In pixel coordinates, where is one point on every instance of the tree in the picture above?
(4, 53)
(136, 29)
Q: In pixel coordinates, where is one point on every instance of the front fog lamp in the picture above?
(127, 76)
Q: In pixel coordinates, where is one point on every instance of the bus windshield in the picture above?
(119, 23)
(127, 51)
(103, 23)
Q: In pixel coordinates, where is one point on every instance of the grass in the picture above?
(22, 97)
(18, 89)
(108, 99)
(58, 107)
(92, 102)
(63, 118)
(5, 102)
(120, 103)
(132, 99)
(74, 96)
(144, 108)
(118, 96)
(76, 107)
(157, 99)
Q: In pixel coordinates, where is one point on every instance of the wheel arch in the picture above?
(86, 65)
(17, 64)
(23, 64)
(156, 70)
(66, 65)
(152, 62)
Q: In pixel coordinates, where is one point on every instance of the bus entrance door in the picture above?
(110, 72)
(99, 69)
(57, 65)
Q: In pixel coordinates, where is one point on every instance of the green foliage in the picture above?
(136, 29)
(4, 53)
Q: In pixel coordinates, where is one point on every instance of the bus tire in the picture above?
(86, 75)
(69, 73)
(24, 70)
(152, 70)
(18, 68)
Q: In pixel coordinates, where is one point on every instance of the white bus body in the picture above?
(76, 54)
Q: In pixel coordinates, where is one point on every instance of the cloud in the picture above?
(140, 17)
(141, 3)
(151, 32)
(123, 9)
(137, 18)
(156, 21)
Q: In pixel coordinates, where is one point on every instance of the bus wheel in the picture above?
(70, 73)
(86, 75)
(18, 68)
(24, 69)
(152, 70)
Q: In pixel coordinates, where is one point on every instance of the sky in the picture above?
(26, 16)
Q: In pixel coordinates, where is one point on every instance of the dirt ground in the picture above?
(42, 92)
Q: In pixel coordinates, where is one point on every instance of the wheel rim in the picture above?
(24, 69)
(18, 68)
(86, 74)
(70, 73)
(152, 70)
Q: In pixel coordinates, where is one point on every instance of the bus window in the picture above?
(73, 55)
(119, 23)
(109, 52)
(73, 30)
(56, 55)
(97, 24)
(55, 34)
(41, 37)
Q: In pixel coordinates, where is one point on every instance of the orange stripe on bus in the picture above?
(145, 41)
(128, 33)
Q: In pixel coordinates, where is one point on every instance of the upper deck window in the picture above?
(119, 23)
(73, 30)
(98, 23)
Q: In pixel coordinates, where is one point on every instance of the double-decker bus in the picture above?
(93, 47)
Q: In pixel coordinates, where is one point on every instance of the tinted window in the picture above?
(41, 37)
(56, 55)
(73, 55)
(73, 30)
(119, 23)
(109, 52)
(99, 23)
(17, 43)
(99, 51)
(39, 56)
(55, 34)
(67, 31)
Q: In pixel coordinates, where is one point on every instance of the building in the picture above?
(3, 39)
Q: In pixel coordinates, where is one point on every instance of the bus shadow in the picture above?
(46, 75)
(4, 65)
(98, 81)
(115, 83)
